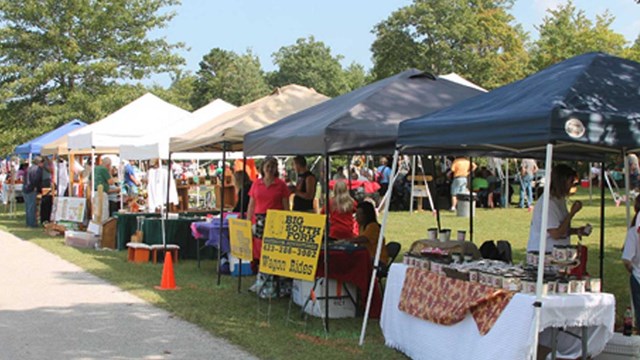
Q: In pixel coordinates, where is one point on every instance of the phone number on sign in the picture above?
(290, 247)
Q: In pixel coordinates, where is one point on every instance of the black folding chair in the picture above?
(393, 249)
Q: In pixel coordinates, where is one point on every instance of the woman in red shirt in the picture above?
(342, 224)
(268, 192)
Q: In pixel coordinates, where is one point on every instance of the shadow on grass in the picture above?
(219, 309)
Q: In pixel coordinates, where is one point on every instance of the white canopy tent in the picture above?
(144, 116)
(157, 145)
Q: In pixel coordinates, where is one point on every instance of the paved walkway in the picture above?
(52, 309)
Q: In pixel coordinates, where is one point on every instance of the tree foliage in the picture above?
(223, 74)
(58, 58)
(566, 32)
(310, 63)
(472, 38)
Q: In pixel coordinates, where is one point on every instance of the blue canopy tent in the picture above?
(33, 147)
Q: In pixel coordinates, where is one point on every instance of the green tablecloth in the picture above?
(188, 214)
(127, 225)
(177, 231)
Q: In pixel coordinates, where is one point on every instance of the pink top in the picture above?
(268, 197)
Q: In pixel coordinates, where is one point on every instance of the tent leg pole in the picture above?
(413, 181)
(242, 214)
(376, 261)
(327, 170)
(543, 243)
(470, 198)
(436, 203)
(224, 168)
(601, 260)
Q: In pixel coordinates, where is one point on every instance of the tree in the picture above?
(355, 76)
(633, 52)
(472, 38)
(53, 52)
(309, 63)
(179, 92)
(223, 74)
(566, 32)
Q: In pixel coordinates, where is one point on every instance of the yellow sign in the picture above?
(291, 244)
(240, 238)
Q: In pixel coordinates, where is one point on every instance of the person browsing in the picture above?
(559, 230)
(305, 189)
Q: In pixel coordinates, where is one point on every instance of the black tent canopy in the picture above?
(364, 120)
(579, 108)
(585, 105)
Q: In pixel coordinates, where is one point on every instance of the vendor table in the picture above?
(210, 232)
(353, 266)
(127, 225)
(177, 231)
(511, 335)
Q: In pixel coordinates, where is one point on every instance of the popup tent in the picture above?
(228, 130)
(145, 116)
(580, 108)
(585, 105)
(365, 119)
(34, 146)
(157, 145)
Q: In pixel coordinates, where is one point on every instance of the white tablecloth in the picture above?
(511, 336)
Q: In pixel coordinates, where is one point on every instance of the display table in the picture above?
(177, 231)
(510, 337)
(353, 267)
(210, 232)
(127, 226)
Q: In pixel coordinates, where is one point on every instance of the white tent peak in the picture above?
(146, 115)
(453, 77)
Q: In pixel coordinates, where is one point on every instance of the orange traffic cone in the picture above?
(168, 281)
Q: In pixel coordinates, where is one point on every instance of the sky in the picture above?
(264, 26)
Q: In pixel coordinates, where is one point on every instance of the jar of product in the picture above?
(572, 252)
(473, 275)
(563, 286)
(560, 252)
(595, 285)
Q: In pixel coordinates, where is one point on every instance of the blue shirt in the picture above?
(385, 174)
(128, 174)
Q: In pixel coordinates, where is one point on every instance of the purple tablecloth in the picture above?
(210, 231)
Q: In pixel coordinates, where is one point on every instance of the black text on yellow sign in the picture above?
(291, 244)
(240, 239)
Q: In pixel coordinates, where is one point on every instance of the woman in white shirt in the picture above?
(563, 179)
(631, 260)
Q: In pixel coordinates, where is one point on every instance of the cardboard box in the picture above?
(338, 308)
(81, 239)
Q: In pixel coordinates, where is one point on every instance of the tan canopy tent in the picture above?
(230, 127)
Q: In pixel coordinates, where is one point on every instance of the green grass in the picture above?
(221, 310)
(224, 312)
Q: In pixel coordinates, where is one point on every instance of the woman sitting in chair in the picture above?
(341, 209)
(369, 231)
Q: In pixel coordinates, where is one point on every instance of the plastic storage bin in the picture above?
(621, 347)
